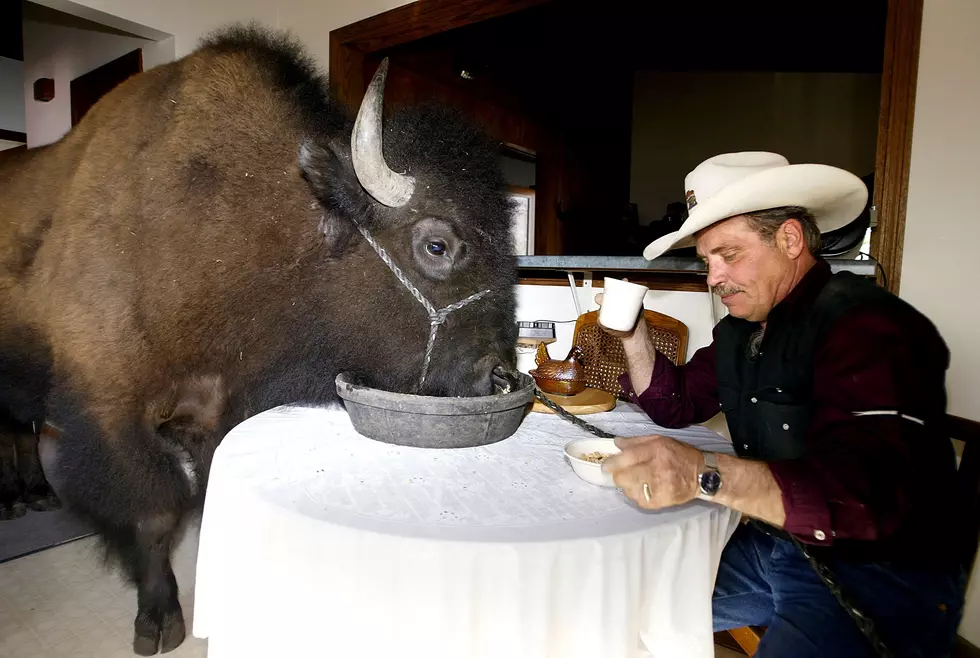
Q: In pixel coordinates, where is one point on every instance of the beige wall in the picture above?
(943, 219)
(680, 119)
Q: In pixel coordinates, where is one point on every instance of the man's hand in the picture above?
(670, 470)
(668, 467)
(625, 335)
(638, 348)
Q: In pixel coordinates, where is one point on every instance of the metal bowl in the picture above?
(435, 422)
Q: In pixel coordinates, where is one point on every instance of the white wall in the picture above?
(943, 216)
(681, 119)
(556, 304)
(188, 20)
(172, 29)
(185, 21)
(11, 94)
(62, 53)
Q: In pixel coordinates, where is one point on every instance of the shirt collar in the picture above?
(804, 294)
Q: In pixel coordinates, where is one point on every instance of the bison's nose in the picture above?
(503, 380)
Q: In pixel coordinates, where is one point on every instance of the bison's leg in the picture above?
(11, 487)
(38, 493)
(159, 618)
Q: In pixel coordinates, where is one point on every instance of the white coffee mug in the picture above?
(621, 304)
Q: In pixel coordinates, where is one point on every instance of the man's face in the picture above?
(748, 274)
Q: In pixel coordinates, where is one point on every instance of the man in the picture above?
(834, 394)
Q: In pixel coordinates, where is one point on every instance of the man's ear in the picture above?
(331, 178)
(791, 238)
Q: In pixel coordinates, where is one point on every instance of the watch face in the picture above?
(710, 482)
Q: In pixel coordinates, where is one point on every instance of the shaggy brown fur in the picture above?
(170, 267)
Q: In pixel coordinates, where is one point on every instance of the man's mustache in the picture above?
(724, 291)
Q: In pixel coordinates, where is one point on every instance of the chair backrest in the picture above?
(967, 482)
(603, 354)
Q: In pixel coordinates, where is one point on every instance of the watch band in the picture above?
(709, 478)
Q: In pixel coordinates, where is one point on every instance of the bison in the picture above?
(196, 250)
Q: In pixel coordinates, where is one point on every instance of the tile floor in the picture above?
(61, 603)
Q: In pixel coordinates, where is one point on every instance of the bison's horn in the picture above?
(386, 186)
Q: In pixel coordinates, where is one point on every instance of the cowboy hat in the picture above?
(736, 183)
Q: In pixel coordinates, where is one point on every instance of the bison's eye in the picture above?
(436, 247)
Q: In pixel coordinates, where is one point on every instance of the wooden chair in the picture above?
(961, 431)
(603, 354)
(967, 432)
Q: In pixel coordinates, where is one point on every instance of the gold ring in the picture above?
(646, 491)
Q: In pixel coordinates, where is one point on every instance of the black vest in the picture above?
(768, 403)
(766, 398)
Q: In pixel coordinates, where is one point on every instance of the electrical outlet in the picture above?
(541, 330)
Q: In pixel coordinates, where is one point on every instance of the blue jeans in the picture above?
(766, 581)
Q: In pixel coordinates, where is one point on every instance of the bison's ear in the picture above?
(331, 178)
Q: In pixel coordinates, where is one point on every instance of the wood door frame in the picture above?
(893, 159)
(349, 45)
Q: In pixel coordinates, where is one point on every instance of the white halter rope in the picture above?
(436, 316)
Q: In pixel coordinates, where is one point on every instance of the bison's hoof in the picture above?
(151, 636)
(12, 511)
(173, 631)
(146, 632)
(145, 645)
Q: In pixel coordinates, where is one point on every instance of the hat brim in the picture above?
(834, 197)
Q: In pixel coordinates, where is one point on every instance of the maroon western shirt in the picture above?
(871, 477)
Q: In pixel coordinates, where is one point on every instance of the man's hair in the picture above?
(767, 222)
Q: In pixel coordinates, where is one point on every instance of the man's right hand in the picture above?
(625, 335)
(638, 347)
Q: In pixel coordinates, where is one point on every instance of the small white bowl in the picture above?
(591, 472)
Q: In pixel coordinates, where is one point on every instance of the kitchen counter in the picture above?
(664, 264)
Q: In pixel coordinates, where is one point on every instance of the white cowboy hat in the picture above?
(736, 183)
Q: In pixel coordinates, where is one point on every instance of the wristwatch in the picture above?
(709, 479)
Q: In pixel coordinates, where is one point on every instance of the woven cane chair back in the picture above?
(603, 354)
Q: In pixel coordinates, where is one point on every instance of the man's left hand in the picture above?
(668, 467)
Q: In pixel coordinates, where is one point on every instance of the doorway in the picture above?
(562, 78)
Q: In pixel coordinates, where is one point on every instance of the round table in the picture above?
(316, 541)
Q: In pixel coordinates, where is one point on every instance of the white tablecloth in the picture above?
(316, 541)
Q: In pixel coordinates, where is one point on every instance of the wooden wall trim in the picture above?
(893, 158)
(417, 20)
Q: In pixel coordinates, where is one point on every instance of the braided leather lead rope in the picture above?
(571, 418)
(864, 623)
(436, 316)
